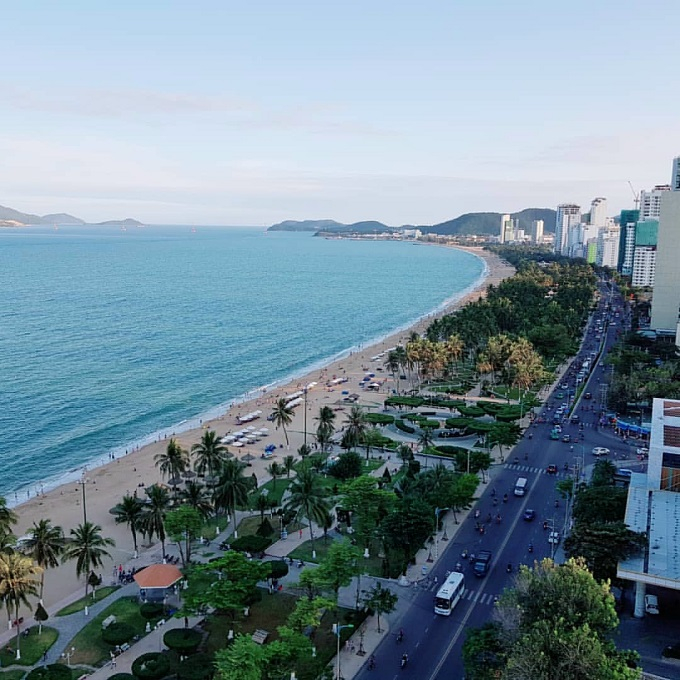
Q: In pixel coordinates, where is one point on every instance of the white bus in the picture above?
(448, 595)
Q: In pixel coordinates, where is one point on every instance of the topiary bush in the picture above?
(198, 667)
(401, 425)
(182, 640)
(251, 543)
(265, 529)
(152, 610)
(54, 671)
(118, 633)
(277, 569)
(151, 666)
(378, 418)
(122, 676)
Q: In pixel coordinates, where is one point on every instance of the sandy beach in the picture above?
(106, 485)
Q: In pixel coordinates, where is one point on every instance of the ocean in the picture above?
(109, 338)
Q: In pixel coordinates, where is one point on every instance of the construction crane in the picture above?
(636, 195)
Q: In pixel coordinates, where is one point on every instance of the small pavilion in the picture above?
(156, 581)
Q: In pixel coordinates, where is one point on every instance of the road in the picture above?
(434, 643)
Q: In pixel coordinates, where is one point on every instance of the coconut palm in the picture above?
(8, 517)
(232, 487)
(308, 499)
(355, 426)
(282, 415)
(129, 511)
(152, 521)
(276, 471)
(45, 544)
(325, 428)
(87, 547)
(196, 496)
(209, 454)
(173, 462)
(7, 543)
(18, 581)
(289, 465)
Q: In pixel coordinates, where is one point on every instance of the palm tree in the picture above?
(195, 496)
(232, 488)
(326, 428)
(304, 451)
(7, 517)
(405, 453)
(209, 454)
(276, 471)
(87, 547)
(308, 499)
(129, 511)
(152, 520)
(45, 543)
(17, 582)
(282, 415)
(355, 426)
(289, 465)
(174, 462)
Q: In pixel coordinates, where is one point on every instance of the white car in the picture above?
(554, 537)
(643, 452)
(651, 604)
(600, 451)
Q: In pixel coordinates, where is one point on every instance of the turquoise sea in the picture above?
(109, 337)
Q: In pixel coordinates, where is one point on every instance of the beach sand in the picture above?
(106, 485)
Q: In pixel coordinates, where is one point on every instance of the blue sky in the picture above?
(248, 113)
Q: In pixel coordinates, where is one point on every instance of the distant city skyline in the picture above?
(226, 113)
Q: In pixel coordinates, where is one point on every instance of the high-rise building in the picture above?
(650, 202)
(598, 212)
(627, 220)
(537, 231)
(507, 229)
(675, 175)
(644, 258)
(568, 215)
(608, 247)
(666, 297)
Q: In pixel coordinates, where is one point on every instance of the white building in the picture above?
(598, 212)
(568, 215)
(650, 202)
(644, 266)
(675, 175)
(507, 229)
(537, 231)
(608, 247)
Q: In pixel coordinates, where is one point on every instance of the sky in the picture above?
(249, 113)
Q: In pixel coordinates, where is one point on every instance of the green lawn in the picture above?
(371, 566)
(80, 604)
(32, 647)
(271, 612)
(12, 675)
(90, 648)
(275, 489)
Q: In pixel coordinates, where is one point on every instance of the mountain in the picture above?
(11, 215)
(490, 222)
(62, 218)
(128, 222)
(470, 223)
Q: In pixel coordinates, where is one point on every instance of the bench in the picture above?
(260, 636)
(108, 621)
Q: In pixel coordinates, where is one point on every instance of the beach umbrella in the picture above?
(248, 457)
(174, 481)
(264, 429)
(189, 474)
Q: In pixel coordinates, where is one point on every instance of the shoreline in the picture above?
(104, 486)
(23, 494)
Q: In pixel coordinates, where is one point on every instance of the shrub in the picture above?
(431, 424)
(122, 676)
(152, 610)
(151, 666)
(472, 411)
(348, 466)
(277, 569)
(265, 529)
(198, 667)
(182, 640)
(118, 633)
(378, 418)
(457, 423)
(251, 543)
(55, 671)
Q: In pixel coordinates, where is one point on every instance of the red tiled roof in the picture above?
(158, 576)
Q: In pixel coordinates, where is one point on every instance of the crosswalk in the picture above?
(518, 467)
(478, 597)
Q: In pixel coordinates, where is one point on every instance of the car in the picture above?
(557, 428)
(651, 604)
(600, 451)
(554, 537)
(575, 419)
(564, 386)
(566, 438)
(560, 395)
(529, 515)
(642, 451)
(555, 435)
(587, 395)
(551, 469)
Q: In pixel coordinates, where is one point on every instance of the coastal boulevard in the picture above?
(433, 643)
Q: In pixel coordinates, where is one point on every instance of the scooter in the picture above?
(509, 568)
(404, 660)
(531, 547)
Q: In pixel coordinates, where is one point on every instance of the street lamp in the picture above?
(305, 418)
(83, 481)
(68, 654)
(337, 629)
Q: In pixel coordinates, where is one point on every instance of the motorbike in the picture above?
(371, 663)
(400, 637)
(531, 547)
(509, 568)
(404, 660)
(465, 554)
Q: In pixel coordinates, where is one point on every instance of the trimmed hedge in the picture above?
(401, 425)
(152, 610)
(457, 423)
(404, 401)
(198, 667)
(278, 568)
(151, 666)
(251, 543)
(182, 640)
(379, 418)
(54, 671)
(118, 633)
(122, 676)
(472, 411)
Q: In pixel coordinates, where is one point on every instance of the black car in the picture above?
(587, 395)
(529, 515)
